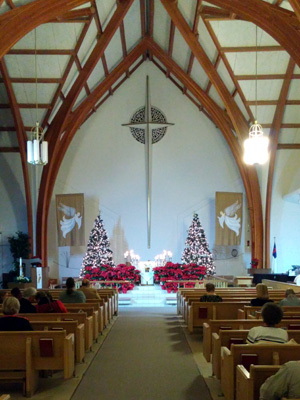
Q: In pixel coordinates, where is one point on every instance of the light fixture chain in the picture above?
(256, 73)
(35, 67)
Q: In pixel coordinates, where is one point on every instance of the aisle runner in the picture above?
(145, 357)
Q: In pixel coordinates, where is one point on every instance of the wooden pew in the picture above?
(267, 355)
(225, 338)
(81, 318)
(17, 361)
(215, 325)
(4, 397)
(248, 383)
(90, 309)
(248, 311)
(70, 327)
(203, 312)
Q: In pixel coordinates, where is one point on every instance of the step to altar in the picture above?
(147, 296)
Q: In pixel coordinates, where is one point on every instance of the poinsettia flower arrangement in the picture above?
(176, 273)
(121, 272)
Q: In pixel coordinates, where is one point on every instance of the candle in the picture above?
(20, 261)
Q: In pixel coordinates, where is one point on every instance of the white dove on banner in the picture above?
(67, 224)
(230, 218)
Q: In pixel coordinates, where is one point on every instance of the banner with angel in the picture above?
(229, 213)
(70, 219)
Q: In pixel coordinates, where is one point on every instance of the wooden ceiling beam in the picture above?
(43, 52)
(229, 70)
(288, 146)
(216, 64)
(79, 67)
(33, 80)
(58, 124)
(263, 77)
(276, 21)
(85, 12)
(236, 116)
(274, 139)
(10, 3)
(143, 16)
(250, 49)
(296, 7)
(9, 150)
(16, 23)
(22, 138)
(220, 118)
(1, 2)
(283, 126)
(195, 30)
(56, 156)
(58, 93)
(272, 102)
(171, 43)
(151, 18)
(26, 105)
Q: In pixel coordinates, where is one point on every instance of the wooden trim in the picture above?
(288, 146)
(56, 156)
(274, 136)
(9, 150)
(264, 77)
(42, 52)
(283, 126)
(296, 7)
(247, 49)
(15, 24)
(272, 102)
(143, 15)
(22, 138)
(33, 80)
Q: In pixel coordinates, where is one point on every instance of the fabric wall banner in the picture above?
(70, 219)
(229, 212)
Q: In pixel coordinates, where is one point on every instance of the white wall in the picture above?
(107, 164)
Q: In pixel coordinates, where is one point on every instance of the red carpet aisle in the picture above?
(145, 357)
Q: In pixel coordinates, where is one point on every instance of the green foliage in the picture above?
(19, 245)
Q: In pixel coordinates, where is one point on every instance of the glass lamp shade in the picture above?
(30, 152)
(256, 150)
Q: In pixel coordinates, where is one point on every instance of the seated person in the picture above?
(210, 295)
(47, 305)
(268, 333)
(70, 295)
(262, 295)
(285, 383)
(26, 301)
(11, 321)
(290, 299)
(89, 292)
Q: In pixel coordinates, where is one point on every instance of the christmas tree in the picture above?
(98, 252)
(197, 250)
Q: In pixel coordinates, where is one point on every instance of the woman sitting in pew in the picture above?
(11, 320)
(47, 305)
(71, 295)
(262, 295)
(268, 333)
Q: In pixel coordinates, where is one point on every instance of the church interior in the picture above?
(138, 111)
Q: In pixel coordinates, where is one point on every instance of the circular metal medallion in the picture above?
(156, 116)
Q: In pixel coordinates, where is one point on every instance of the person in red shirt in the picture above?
(47, 305)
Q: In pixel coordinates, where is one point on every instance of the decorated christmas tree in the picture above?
(197, 250)
(98, 252)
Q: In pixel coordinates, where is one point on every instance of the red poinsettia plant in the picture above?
(176, 273)
(121, 272)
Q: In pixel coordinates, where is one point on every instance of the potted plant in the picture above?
(19, 248)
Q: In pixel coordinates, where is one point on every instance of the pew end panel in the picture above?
(248, 383)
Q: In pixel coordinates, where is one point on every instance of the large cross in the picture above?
(148, 125)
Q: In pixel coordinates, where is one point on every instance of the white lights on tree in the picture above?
(37, 148)
(256, 147)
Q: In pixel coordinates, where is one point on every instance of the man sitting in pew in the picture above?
(89, 292)
(210, 295)
(285, 383)
(11, 320)
(268, 333)
(46, 304)
(290, 299)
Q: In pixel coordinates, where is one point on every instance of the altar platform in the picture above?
(147, 296)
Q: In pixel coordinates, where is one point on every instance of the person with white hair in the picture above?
(11, 321)
(26, 301)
